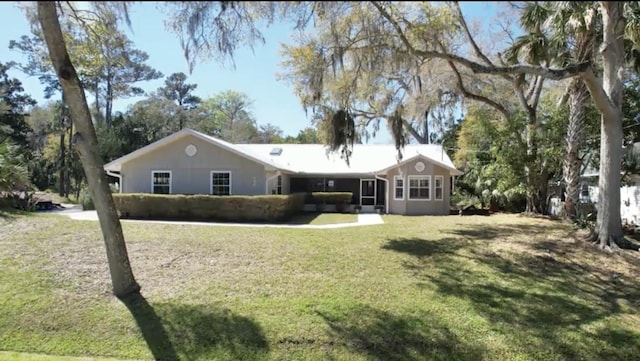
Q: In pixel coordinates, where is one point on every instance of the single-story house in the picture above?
(629, 192)
(190, 162)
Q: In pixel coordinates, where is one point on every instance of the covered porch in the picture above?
(367, 190)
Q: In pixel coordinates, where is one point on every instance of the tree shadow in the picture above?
(541, 295)
(189, 332)
(422, 248)
(383, 336)
(477, 232)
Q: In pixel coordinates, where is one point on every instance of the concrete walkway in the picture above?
(365, 219)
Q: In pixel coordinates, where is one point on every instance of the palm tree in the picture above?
(577, 23)
(561, 33)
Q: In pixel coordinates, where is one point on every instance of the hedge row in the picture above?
(331, 197)
(266, 208)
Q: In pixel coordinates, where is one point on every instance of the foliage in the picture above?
(353, 62)
(13, 107)
(176, 89)
(14, 174)
(108, 64)
(331, 197)
(85, 201)
(210, 208)
(491, 153)
(228, 116)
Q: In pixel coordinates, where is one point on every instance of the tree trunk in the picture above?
(572, 164)
(62, 161)
(109, 101)
(531, 173)
(67, 184)
(609, 223)
(86, 143)
(97, 97)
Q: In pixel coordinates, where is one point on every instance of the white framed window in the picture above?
(419, 187)
(398, 186)
(161, 181)
(439, 187)
(220, 183)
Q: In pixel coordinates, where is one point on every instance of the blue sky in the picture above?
(254, 74)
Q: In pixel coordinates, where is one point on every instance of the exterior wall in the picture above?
(419, 207)
(192, 175)
(272, 181)
(629, 200)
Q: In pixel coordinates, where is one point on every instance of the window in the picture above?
(399, 188)
(161, 181)
(439, 180)
(585, 191)
(419, 188)
(279, 186)
(220, 183)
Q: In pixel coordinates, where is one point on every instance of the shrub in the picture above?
(208, 207)
(85, 200)
(332, 197)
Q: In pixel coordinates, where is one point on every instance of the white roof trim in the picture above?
(115, 165)
(452, 171)
(270, 164)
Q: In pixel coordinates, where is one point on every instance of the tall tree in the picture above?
(108, 64)
(228, 115)
(176, 89)
(269, 133)
(124, 283)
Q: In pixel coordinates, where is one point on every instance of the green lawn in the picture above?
(323, 218)
(416, 288)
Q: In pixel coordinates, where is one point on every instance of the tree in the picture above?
(227, 115)
(341, 67)
(124, 283)
(13, 125)
(606, 93)
(107, 63)
(121, 65)
(176, 89)
(269, 133)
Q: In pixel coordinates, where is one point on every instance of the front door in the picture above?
(367, 192)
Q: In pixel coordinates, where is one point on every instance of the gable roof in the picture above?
(311, 158)
(364, 159)
(116, 164)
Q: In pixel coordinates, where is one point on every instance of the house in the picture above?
(190, 162)
(629, 192)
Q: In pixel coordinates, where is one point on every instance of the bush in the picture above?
(85, 200)
(331, 197)
(208, 208)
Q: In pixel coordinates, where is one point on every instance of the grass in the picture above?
(502, 287)
(323, 218)
(21, 356)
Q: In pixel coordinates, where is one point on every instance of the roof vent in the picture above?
(276, 151)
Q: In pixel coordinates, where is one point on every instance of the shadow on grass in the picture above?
(422, 248)
(187, 332)
(384, 336)
(302, 218)
(545, 296)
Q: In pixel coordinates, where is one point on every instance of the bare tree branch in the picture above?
(477, 68)
(599, 96)
(481, 98)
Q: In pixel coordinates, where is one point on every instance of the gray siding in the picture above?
(272, 183)
(192, 175)
(418, 207)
